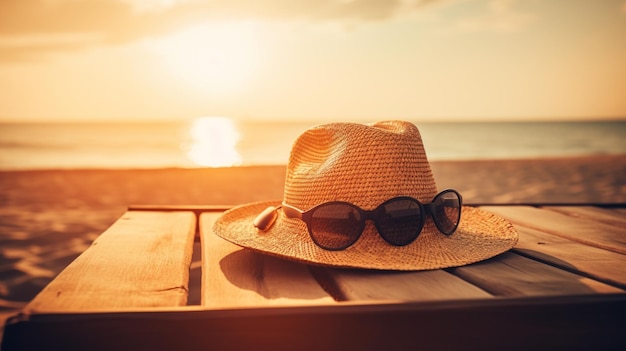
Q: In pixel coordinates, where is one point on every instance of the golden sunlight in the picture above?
(214, 142)
(218, 58)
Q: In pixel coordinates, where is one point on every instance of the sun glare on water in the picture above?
(214, 142)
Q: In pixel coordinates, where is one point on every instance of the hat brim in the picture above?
(480, 235)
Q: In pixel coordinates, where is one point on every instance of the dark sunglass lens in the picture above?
(399, 221)
(335, 226)
(447, 211)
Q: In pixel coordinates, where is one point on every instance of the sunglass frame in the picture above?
(428, 210)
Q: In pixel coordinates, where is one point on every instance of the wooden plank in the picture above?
(600, 264)
(512, 275)
(142, 260)
(362, 285)
(237, 277)
(596, 214)
(619, 210)
(589, 322)
(588, 232)
(191, 208)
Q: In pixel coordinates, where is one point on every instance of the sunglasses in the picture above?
(336, 225)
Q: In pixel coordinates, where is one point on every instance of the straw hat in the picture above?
(365, 165)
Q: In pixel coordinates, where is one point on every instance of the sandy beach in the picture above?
(49, 217)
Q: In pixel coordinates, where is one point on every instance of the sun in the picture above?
(216, 57)
(214, 142)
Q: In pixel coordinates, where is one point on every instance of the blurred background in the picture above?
(196, 83)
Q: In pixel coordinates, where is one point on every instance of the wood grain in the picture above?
(360, 285)
(582, 230)
(237, 277)
(609, 216)
(606, 266)
(512, 275)
(142, 260)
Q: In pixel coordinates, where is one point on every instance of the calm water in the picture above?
(222, 142)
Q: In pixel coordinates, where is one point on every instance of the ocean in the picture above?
(220, 142)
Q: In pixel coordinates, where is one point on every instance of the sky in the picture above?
(136, 60)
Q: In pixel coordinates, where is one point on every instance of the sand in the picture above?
(48, 217)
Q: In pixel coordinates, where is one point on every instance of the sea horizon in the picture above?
(225, 142)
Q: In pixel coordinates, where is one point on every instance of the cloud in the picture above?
(120, 21)
(114, 19)
(31, 29)
(31, 47)
(500, 16)
(137, 18)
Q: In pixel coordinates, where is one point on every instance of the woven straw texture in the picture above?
(365, 165)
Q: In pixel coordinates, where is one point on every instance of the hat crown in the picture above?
(362, 164)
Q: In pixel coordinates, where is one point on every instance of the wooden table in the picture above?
(142, 285)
